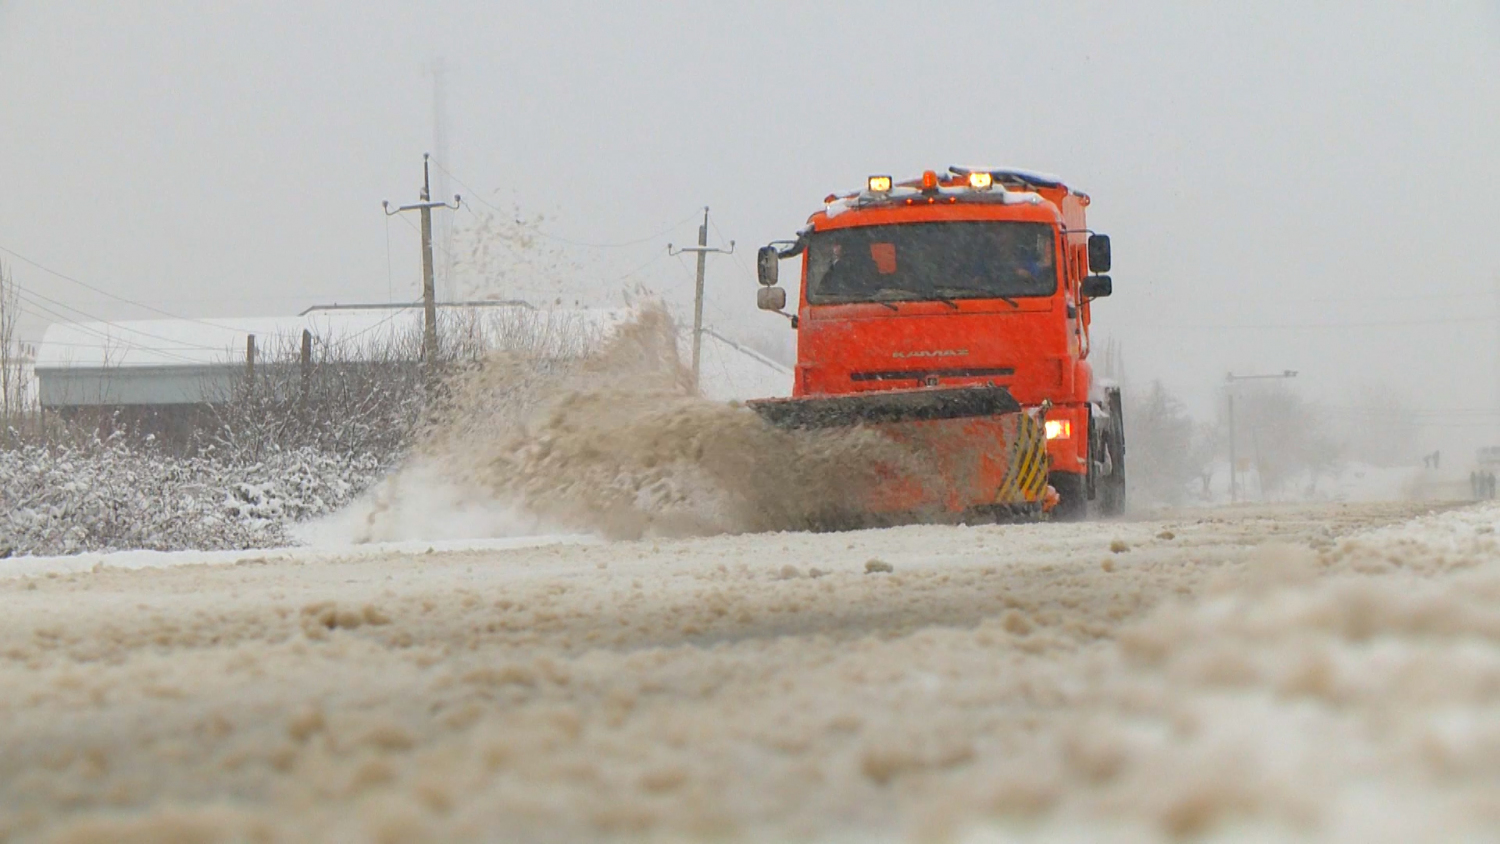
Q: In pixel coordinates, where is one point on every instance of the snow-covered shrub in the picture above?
(349, 398)
(114, 494)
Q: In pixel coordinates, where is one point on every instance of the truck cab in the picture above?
(976, 277)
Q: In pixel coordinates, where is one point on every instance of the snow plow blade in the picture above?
(886, 406)
(977, 453)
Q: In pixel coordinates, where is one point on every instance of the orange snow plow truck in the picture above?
(951, 313)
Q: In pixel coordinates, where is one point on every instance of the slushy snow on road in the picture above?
(1326, 673)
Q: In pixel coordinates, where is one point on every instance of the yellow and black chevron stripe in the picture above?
(1026, 470)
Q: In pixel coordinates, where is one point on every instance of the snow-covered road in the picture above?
(1302, 673)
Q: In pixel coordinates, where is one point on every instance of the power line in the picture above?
(657, 256)
(366, 330)
(36, 298)
(108, 340)
(1293, 326)
(476, 195)
(1318, 300)
(18, 256)
(657, 236)
(413, 227)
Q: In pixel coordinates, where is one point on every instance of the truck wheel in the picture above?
(1072, 496)
(1112, 494)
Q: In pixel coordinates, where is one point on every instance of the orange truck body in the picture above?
(1033, 347)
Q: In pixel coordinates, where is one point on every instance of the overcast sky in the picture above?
(1303, 185)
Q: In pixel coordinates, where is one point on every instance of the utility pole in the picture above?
(429, 291)
(1234, 482)
(1232, 379)
(702, 250)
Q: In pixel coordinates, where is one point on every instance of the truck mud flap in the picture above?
(886, 406)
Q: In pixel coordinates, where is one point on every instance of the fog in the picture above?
(1288, 186)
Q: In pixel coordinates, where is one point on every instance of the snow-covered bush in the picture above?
(114, 494)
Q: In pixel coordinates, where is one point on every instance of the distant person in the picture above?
(1474, 491)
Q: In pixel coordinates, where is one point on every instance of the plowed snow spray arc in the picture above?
(615, 443)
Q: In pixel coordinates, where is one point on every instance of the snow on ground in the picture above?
(1314, 672)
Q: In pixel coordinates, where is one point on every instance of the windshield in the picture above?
(931, 262)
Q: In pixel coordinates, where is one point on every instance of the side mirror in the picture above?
(1099, 253)
(1097, 286)
(767, 265)
(770, 298)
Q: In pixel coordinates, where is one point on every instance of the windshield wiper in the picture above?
(918, 296)
(970, 290)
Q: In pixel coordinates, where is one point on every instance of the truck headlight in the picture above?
(1059, 429)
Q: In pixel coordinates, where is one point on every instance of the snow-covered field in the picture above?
(1304, 672)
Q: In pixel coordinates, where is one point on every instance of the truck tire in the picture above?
(1112, 491)
(1111, 486)
(1072, 496)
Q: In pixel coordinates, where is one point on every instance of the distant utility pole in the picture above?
(702, 250)
(1232, 379)
(439, 71)
(429, 291)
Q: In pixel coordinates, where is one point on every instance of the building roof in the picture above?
(210, 342)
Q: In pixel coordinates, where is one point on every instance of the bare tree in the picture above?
(15, 371)
(1163, 460)
(1281, 434)
(10, 306)
(1209, 442)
